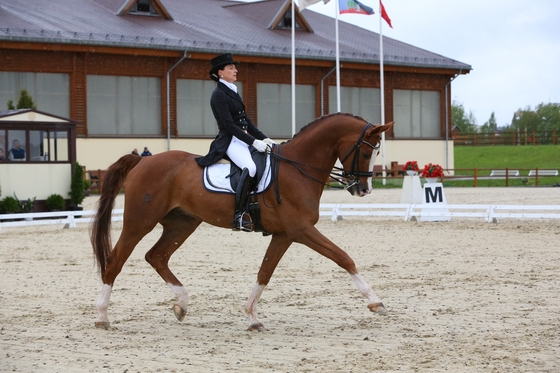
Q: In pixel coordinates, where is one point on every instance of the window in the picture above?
(194, 114)
(363, 102)
(143, 6)
(17, 146)
(417, 114)
(50, 92)
(122, 105)
(286, 21)
(48, 146)
(274, 108)
(34, 146)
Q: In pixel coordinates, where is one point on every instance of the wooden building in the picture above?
(134, 73)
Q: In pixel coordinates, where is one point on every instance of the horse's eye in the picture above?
(366, 156)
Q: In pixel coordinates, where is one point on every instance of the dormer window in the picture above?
(144, 8)
(283, 19)
(286, 22)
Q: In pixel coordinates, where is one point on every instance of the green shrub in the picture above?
(55, 202)
(9, 205)
(77, 185)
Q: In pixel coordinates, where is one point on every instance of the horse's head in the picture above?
(358, 155)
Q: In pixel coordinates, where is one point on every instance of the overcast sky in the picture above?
(513, 47)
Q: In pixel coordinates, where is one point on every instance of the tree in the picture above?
(25, 101)
(545, 117)
(490, 126)
(466, 123)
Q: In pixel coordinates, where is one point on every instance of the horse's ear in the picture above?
(377, 130)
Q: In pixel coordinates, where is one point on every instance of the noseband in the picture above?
(353, 175)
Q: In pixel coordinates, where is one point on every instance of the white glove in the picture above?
(259, 145)
(268, 141)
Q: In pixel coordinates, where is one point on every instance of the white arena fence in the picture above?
(491, 213)
(68, 219)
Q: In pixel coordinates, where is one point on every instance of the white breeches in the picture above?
(239, 153)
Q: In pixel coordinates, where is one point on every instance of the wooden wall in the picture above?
(82, 61)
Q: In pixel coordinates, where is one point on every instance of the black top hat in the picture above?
(219, 62)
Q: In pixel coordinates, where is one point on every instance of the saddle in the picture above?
(223, 177)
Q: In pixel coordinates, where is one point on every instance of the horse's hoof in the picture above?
(103, 325)
(180, 313)
(256, 327)
(377, 308)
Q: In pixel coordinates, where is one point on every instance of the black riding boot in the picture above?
(241, 194)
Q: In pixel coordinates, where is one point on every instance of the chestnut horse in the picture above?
(167, 189)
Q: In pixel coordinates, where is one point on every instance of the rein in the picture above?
(351, 175)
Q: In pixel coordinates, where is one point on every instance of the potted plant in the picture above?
(25, 205)
(411, 168)
(77, 187)
(55, 202)
(432, 172)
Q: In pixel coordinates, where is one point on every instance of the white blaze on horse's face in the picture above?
(370, 169)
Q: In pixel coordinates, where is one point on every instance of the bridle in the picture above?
(352, 175)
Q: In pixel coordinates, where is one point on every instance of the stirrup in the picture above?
(240, 224)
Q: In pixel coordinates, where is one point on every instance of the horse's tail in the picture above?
(112, 184)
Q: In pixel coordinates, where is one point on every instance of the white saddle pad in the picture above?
(215, 177)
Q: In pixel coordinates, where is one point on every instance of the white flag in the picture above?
(302, 4)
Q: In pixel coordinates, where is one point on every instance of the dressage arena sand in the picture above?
(462, 296)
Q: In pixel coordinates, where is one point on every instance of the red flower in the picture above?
(411, 166)
(432, 170)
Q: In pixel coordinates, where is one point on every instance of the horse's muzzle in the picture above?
(359, 189)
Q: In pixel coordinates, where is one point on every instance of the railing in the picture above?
(491, 213)
(67, 219)
(506, 138)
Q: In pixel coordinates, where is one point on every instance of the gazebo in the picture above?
(39, 150)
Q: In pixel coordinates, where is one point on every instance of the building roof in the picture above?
(212, 26)
(31, 115)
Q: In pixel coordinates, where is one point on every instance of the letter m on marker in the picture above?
(433, 194)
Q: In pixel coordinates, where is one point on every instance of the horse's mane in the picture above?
(320, 119)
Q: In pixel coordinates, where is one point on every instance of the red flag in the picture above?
(384, 14)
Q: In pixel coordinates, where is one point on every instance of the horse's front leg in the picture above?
(375, 304)
(312, 238)
(276, 249)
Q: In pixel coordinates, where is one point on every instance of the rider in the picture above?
(236, 133)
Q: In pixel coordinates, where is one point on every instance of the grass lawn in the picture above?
(514, 157)
(488, 158)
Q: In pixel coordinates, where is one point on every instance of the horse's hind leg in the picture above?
(176, 229)
(125, 245)
(276, 250)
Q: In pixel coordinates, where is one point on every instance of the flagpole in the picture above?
(293, 71)
(337, 60)
(382, 93)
